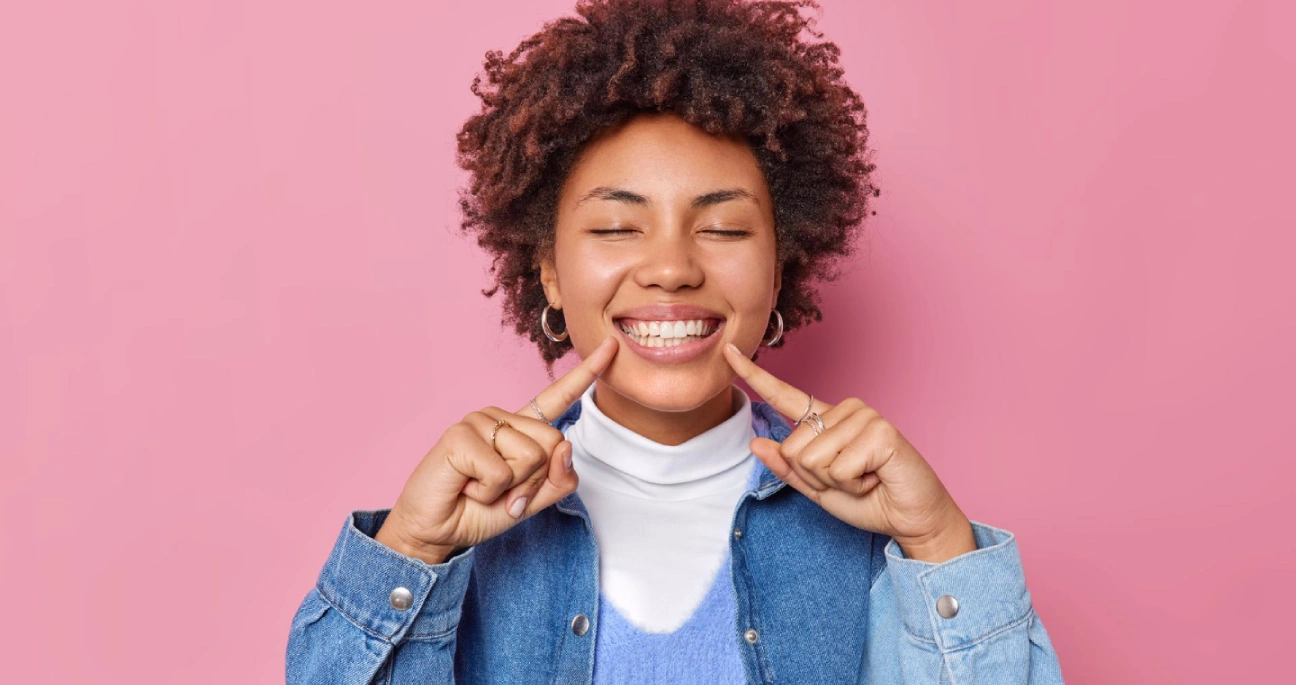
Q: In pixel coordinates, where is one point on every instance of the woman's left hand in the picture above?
(860, 469)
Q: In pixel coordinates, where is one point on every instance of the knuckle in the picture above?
(535, 455)
(459, 432)
(853, 404)
(494, 474)
(500, 471)
(839, 471)
(882, 429)
(540, 432)
(551, 436)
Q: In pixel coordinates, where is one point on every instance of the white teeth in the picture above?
(667, 333)
(672, 329)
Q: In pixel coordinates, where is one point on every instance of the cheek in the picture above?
(748, 285)
(588, 283)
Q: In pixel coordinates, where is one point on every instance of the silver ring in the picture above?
(539, 414)
(804, 414)
(495, 429)
(816, 423)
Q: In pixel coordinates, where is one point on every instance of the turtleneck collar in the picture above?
(619, 459)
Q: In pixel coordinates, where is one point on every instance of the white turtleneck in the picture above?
(661, 513)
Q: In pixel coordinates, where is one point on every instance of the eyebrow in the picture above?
(706, 200)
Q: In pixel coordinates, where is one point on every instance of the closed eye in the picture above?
(727, 233)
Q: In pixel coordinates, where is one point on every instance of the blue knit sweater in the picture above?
(703, 651)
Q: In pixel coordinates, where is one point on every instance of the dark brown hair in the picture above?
(729, 67)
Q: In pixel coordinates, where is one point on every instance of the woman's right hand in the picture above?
(465, 492)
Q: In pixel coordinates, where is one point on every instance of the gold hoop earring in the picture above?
(544, 325)
(778, 335)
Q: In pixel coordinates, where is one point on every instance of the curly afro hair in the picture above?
(726, 66)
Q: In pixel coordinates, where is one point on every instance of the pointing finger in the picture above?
(787, 399)
(563, 393)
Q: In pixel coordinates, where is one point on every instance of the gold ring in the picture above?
(495, 429)
(804, 414)
(816, 423)
(539, 414)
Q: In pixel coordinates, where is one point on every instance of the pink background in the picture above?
(234, 305)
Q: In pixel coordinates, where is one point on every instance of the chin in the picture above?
(667, 390)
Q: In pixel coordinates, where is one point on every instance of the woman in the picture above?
(660, 185)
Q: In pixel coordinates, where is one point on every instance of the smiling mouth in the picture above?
(668, 333)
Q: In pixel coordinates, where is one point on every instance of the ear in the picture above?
(549, 280)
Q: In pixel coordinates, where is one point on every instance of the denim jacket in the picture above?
(818, 601)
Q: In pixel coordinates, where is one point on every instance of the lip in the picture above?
(670, 312)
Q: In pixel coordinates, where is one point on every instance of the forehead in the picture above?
(665, 158)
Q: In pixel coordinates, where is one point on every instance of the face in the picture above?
(665, 239)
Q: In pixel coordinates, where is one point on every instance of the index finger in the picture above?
(786, 398)
(563, 393)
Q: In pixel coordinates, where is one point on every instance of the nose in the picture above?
(669, 262)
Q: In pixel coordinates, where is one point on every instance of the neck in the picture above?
(665, 427)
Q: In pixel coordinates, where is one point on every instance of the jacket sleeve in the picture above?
(349, 631)
(994, 637)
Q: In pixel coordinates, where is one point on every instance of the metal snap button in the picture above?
(737, 533)
(947, 606)
(401, 599)
(750, 636)
(580, 624)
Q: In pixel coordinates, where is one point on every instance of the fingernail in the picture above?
(567, 458)
(515, 509)
(733, 347)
